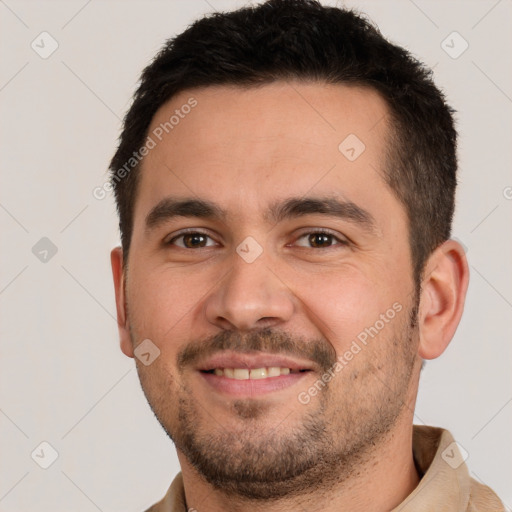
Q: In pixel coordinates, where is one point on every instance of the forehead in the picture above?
(247, 147)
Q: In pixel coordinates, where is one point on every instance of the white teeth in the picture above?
(241, 373)
(258, 373)
(253, 373)
(274, 371)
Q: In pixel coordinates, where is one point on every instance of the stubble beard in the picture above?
(328, 442)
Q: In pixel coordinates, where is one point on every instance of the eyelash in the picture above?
(320, 231)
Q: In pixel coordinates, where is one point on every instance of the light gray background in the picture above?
(63, 378)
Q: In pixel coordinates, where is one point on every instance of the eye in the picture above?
(320, 239)
(192, 240)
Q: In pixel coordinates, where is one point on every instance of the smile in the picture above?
(247, 374)
(253, 373)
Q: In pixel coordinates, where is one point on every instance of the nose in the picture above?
(250, 296)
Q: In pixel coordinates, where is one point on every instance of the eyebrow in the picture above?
(171, 207)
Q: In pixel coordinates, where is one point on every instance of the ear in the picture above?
(116, 259)
(442, 298)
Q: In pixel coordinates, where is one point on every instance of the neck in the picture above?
(386, 478)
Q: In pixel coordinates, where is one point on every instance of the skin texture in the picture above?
(349, 447)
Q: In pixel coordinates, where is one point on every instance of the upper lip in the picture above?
(252, 360)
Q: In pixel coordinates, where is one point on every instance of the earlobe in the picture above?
(443, 293)
(116, 260)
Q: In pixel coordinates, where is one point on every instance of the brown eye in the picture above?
(192, 240)
(319, 240)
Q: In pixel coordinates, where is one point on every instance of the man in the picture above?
(285, 183)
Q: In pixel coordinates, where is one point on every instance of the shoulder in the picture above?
(174, 499)
(483, 499)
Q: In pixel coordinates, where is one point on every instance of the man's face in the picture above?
(268, 281)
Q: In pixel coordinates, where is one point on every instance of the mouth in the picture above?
(249, 374)
(253, 373)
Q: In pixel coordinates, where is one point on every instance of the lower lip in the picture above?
(251, 387)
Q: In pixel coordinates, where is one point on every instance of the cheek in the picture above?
(350, 309)
(345, 302)
(164, 305)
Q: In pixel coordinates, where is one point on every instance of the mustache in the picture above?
(320, 351)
